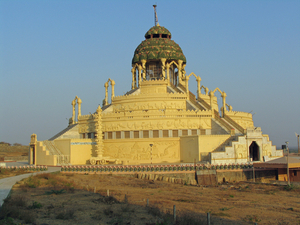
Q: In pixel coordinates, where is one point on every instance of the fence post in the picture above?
(208, 218)
(147, 202)
(107, 192)
(174, 212)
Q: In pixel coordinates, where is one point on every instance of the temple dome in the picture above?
(157, 30)
(158, 45)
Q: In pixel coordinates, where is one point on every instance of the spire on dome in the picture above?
(155, 16)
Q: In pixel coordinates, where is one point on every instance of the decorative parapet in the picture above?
(160, 96)
(238, 114)
(154, 81)
(157, 114)
(154, 168)
(87, 117)
(242, 119)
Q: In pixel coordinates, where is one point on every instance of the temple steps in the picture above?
(227, 143)
(53, 150)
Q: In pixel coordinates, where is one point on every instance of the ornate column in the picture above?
(211, 95)
(198, 87)
(179, 70)
(187, 87)
(223, 95)
(133, 84)
(112, 82)
(206, 91)
(140, 75)
(183, 70)
(144, 68)
(163, 67)
(106, 93)
(98, 129)
(73, 110)
(79, 108)
(168, 73)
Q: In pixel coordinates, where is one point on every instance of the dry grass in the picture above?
(69, 199)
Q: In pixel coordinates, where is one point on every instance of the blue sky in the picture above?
(51, 51)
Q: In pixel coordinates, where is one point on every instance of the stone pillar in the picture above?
(144, 68)
(140, 75)
(206, 91)
(112, 82)
(198, 87)
(211, 95)
(79, 107)
(73, 110)
(187, 87)
(224, 102)
(183, 73)
(98, 129)
(133, 84)
(163, 67)
(106, 93)
(179, 71)
(168, 73)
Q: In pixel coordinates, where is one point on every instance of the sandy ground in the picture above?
(240, 203)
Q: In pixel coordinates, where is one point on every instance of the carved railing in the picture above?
(175, 88)
(61, 159)
(193, 99)
(171, 113)
(204, 103)
(222, 122)
(234, 124)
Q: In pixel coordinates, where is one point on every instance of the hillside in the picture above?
(15, 152)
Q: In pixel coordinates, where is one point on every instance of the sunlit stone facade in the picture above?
(158, 121)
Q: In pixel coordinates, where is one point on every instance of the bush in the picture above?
(35, 205)
(66, 215)
(32, 182)
(189, 218)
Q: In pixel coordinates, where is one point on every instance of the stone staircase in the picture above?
(53, 150)
(227, 143)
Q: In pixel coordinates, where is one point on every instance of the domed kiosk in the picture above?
(158, 121)
(157, 58)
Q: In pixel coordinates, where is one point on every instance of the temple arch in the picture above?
(254, 154)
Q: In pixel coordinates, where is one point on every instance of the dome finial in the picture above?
(155, 16)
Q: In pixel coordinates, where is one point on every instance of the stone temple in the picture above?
(158, 121)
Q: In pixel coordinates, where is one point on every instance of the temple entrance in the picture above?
(254, 152)
(32, 155)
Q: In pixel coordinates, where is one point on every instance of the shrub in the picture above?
(35, 205)
(189, 218)
(32, 182)
(107, 211)
(66, 215)
(153, 211)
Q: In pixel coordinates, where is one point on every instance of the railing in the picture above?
(222, 122)
(204, 103)
(154, 168)
(61, 159)
(234, 124)
(194, 100)
(175, 88)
